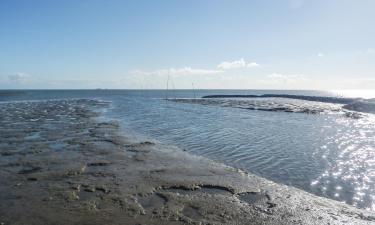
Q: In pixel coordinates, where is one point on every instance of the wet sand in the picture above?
(61, 164)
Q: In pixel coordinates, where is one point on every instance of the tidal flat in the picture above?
(62, 164)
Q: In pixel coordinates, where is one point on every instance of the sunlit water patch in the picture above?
(349, 153)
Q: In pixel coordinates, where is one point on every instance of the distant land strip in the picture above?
(11, 92)
(300, 97)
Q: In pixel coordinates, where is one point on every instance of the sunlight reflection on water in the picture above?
(350, 173)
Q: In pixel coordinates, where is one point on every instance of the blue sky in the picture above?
(265, 44)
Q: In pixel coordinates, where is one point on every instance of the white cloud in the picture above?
(19, 78)
(370, 51)
(232, 65)
(241, 63)
(252, 64)
(176, 72)
(320, 54)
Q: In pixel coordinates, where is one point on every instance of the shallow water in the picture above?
(327, 154)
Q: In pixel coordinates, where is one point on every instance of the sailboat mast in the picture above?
(166, 93)
(192, 84)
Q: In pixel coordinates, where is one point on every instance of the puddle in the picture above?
(58, 145)
(31, 170)
(86, 195)
(152, 201)
(33, 136)
(192, 212)
(254, 198)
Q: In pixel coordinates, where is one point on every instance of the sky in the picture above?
(205, 44)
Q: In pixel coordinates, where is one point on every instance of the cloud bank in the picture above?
(176, 72)
(19, 78)
(241, 63)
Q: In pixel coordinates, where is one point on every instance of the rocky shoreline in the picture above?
(61, 165)
(277, 105)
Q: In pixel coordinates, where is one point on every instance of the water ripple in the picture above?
(327, 153)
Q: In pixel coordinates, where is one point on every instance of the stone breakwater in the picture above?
(59, 164)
